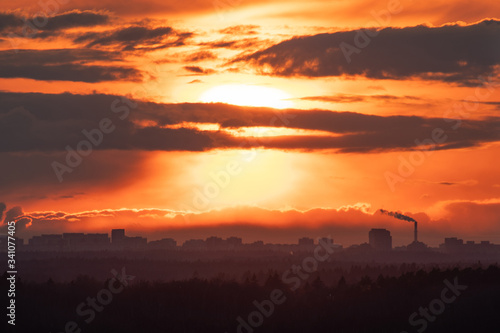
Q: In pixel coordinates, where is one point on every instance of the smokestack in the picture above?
(415, 233)
(400, 216)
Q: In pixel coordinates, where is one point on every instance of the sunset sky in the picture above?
(260, 119)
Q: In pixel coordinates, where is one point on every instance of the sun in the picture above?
(248, 95)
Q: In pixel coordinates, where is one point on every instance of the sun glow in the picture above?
(259, 177)
(248, 95)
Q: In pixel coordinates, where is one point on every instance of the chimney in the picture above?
(415, 233)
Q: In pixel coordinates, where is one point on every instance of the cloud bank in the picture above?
(44, 122)
(451, 53)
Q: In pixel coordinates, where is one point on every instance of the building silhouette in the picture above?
(380, 239)
(456, 245)
(117, 236)
(163, 244)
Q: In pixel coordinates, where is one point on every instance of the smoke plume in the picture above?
(397, 215)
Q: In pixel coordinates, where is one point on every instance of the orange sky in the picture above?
(323, 123)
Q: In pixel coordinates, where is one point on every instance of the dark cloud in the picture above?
(13, 213)
(16, 215)
(64, 65)
(36, 26)
(57, 56)
(346, 98)
(237, 44)
(30, 122)
(143, 8)
(135, 38)
(200, 56)
(198, 70)
(69, 196)
(76, 19)
(451, 53)
(10, 20)
(492, 103)
(469, 182)
(51, 122)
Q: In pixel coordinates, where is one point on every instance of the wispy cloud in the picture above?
(135, 38)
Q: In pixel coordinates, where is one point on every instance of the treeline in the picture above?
(440, 300)
(65, 269)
